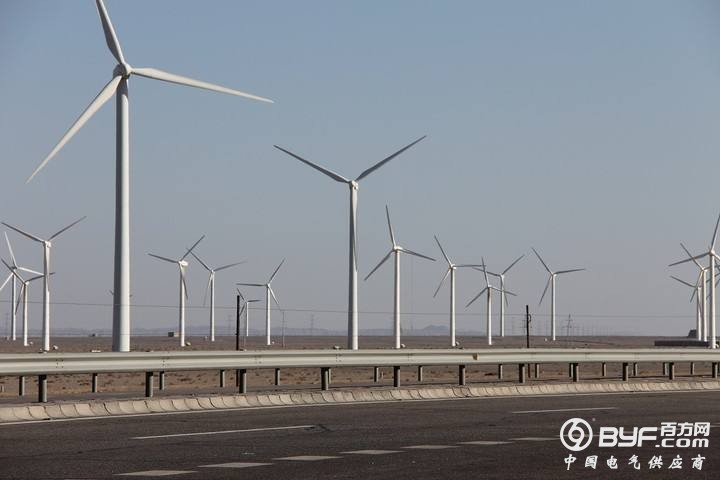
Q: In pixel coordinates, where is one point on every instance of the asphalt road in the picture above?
(516, 438)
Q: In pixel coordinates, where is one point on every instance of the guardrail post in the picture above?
(537, 370)
(570, 369)
(715, 369)
(376, 374)
(575, 372)
(161, 380)
(241, 379)
(671, 374)
(665, 369)
(420, 373)
(500, 372)
(277, 376)
(324, 378)
(21, 386)
(396, 376)
(635, 369)
(461, 375)
(148, 384)
(222, 378)
(604, 369)
(94, 383)
(625, 373)
(692, 368)
(521, 373)
(42, 388)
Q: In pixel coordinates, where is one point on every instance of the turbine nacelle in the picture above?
(122, 70)
(354, 185)
(183, 263)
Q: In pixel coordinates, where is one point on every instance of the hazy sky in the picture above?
(588, 130)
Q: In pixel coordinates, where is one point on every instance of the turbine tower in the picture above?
(268, 293)
(450, 271)
(702, 298)
(397, 250)
(697, 291)
(182, 266)
(712, 256)
(13, 308)
(551, 283)
(503, 297)
(118, 86)
(245, 308)
(211, 286)
(488, 288)
(47, 245)
(352, 255)
(24, 285)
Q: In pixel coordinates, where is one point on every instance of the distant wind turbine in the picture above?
(702, 298)
(268, 293)
(488, 288)
(118, 85)
(211, 287)
(450, 271)
(24, 286)
(397, 250)
(352, 256)
(245, 308)
(182, 266)
(697, 292)
(551, 283)
(503, 297)
(47, 245)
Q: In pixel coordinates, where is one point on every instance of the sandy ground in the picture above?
(60, 386)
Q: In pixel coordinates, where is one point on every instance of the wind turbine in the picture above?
(118, 85)
(702, 297)
(352, 255)
(182, 266)
(47, 245)
(711, 267)
(551, 283)
(245, 308)
(397, 250)
(211, 287)
(24, 285)
(503, 298)
(268, 293)
(697, 291)
(488, 288)
(450, 271)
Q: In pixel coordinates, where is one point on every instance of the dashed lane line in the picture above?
(308, 458)
(155, 473)
(371, 452)
(223, 432)
(236, 465)
(430, 447)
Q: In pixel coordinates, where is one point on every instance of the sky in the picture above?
(587, 130)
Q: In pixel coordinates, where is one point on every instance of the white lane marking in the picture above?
(535, 439)
(565, 410)
(345, 404)
(236, 465)
(484, 442)
(430, 447)
(371, 452)
(222, 432)
(155, 473)
(308, 458)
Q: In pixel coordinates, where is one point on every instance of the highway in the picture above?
(512, 437)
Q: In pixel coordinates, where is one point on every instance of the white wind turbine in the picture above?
(245, 308)
(182, 266)
(119, 86)
(397, 250)
(697, 291)
(503, 297)
(268, 293)
(13, 269)
(450, 271)
(551, 283)
(712, 256)
(24, 286)
(211, 286)
(352, 256)
(702, 297)
(488, 288)
(47, 245)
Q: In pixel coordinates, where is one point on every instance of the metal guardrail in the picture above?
(107, 362)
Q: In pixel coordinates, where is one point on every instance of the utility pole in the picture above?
(237, 322)
(283, 329)
(567, 330)
(528, 319)
(312, 325)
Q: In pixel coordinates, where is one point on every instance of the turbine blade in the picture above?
(384, 259)
(443, 251)
(110, 36)
(59, 232)
(23, 286)
(476, 297)
(201, 262)
(192, 248)
(696, 257)
(230, 265)
(10, 269)
(384, 161)
(163, 258)
(570, 271)
(541, 260)
(690, 255)
(182, 276)
(12, 255)
(507, 292)
(324, 170)
(242, 310)
(240, 293)
(207, 287)
(251, 284)
(272, 294)
(487, 280)
(513, 264)
(469, 265)
(28, 235)
(10, 276)
(252, 301)
(405, 250)
(545, 291)
(29, 271)
(180, 80)
(479, 269)
(683, 282)
(442, 281)
(276, 271)
(717, 224)
(102, 97)
(392, 234)
(38, 277)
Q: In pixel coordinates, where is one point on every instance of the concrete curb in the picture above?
(90, 409)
